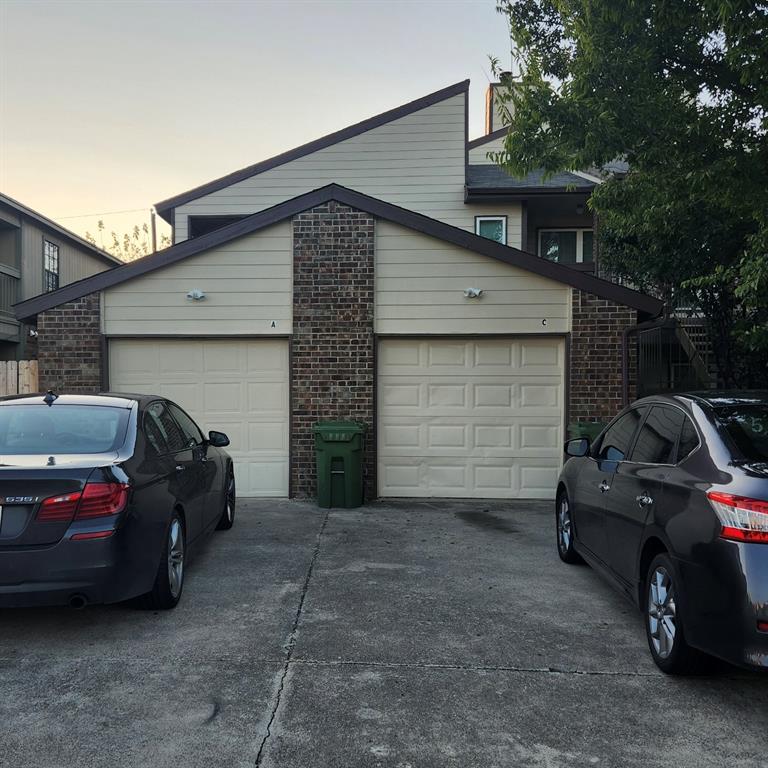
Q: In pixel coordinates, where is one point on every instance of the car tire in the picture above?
(565, 531)
(227, 518)
(663, 621)
(169, 580)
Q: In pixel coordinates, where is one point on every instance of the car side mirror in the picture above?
(579, 446)
(218, 439)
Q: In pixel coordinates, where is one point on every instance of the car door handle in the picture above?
(604, 487)
(644, 500)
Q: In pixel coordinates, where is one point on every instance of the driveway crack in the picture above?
(291, 644)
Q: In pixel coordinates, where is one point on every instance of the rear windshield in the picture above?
(39, 429)
(747, 426)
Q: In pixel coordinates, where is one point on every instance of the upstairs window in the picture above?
(566, 246)
(492, 227)
(202, 225)
(50, 266)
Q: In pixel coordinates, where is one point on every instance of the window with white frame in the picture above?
(50, 266)
(567, 246)
(492, 227)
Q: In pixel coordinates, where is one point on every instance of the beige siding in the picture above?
(479, 155)
(74, 263)
(416, 162)
(248, 290)
(420, 283)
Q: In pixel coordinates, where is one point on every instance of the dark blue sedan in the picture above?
(102, 498)
(670, 503)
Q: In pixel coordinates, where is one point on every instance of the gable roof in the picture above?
(165, 207)
(583, 281)
(52, 226)
(491, 180)
(500, 133)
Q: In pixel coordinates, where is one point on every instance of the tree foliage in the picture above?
(131, 245)
(679, 90)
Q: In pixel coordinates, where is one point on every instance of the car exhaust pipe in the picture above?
(78, 602)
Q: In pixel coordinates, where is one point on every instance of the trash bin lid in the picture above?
(338, 431)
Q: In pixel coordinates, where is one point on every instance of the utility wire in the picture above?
(103, 213)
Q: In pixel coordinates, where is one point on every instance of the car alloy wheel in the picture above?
(664, 624)
(662, 612)
(564, 524)
(230, 501)
(175, 557)
(230, 509)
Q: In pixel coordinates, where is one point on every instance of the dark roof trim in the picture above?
(475, 143)
(475, 194)
(378, 208)
(165, 207)
(51, 225)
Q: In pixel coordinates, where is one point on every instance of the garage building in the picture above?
(336, 304)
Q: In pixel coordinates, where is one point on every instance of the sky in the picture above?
(110, 105)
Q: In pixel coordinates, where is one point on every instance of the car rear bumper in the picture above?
(93, 571)
(726, 598)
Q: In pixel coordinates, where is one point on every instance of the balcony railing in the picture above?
(9, 290)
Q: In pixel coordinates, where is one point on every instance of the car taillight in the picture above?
(59, 509)
(95, 500)
(742, 518)
(102, 499)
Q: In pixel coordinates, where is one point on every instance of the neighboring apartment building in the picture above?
(387, 273)
(37, 255)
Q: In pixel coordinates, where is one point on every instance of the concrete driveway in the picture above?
(407, 635)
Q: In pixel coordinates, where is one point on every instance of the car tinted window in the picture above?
(747, 426)
(616, 441)
(154, 436)
(39, 429)
(689, 440)
(656, 442)
(192, 434)
(172, 438)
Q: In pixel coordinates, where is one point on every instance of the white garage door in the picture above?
(461, 418)
(237, 387)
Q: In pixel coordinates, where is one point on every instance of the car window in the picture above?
(747, 426)
(171, 438)
(617, 439)
(656, 442)
(192, 434)
(154, 435)
(689, 440)
(39, 429)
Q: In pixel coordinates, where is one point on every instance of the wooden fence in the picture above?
(18, 377)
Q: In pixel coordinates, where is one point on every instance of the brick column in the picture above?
(69, 347)
(332, 374)
(595, 367)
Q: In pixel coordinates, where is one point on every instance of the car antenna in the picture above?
(50, 398)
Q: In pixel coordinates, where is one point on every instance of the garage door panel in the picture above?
(537, 355)
(235, 386)
(469, 417)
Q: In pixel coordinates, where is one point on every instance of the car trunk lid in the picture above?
(23, 489)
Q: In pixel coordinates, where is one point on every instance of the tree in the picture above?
(131, 245)
(679, 90)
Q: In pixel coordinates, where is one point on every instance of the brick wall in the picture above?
(69, 346)
(333, 343)
(595, 370)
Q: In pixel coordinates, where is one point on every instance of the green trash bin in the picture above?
(339, 453)
(590, 429)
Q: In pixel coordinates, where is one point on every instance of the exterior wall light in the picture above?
(196, 295)
(473, 293)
